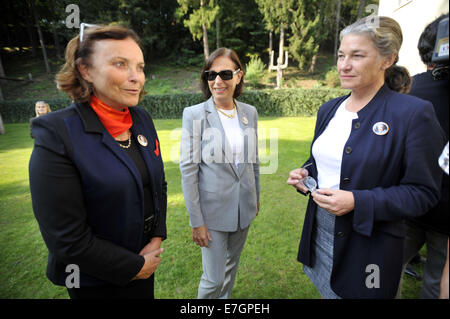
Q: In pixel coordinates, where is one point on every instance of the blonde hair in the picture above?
(46, 105)
(69, 79)
(386, 35)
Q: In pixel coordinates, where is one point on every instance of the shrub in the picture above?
(332, 78)
(255, 70)
(269, 102)
(289, 102)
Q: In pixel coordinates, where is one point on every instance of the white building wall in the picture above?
(413, 16)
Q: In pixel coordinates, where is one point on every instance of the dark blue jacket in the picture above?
(424, 86)
(392, 177)
(87, 195)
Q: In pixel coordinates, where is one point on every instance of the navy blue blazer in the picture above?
(87, 195)
(392, 177)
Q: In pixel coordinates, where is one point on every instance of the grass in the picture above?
(268, 266)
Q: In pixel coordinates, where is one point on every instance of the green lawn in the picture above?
(268, 267)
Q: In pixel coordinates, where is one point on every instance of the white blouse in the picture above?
(329, 147)
(234, 134)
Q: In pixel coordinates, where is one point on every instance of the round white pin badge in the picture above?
(142, 140)
(380, 128)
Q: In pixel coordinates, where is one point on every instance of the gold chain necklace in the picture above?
(129, 142)
(229, 116)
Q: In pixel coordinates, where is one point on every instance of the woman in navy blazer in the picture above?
(96, 175)
(386, 170)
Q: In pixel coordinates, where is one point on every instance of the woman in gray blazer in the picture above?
(220, 171)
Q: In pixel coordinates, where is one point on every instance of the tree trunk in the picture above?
(32, 40)
(55, 33)
(336, 35)
(2, 128)
(205, 42)
(2, 71)
(218, 44)
(55, 37)
(280, 59)
(27, 17)
(2, 74)
(361, 9)
(270, 48)
(312, 67)
(270, 41)
(41, 38)
(205, 36)
(281, 48)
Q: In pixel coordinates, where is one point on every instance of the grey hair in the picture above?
(385, 33)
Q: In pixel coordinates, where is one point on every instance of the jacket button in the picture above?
(346, 180)
(348, 150)
(341, 234)
(357, 125)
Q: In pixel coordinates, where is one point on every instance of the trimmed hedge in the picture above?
(269, 102)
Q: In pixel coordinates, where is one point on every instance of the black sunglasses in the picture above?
(224, 75)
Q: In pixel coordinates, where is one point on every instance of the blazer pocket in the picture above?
(210, 203)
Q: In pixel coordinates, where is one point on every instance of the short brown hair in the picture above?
(218, 53)
(69, 79)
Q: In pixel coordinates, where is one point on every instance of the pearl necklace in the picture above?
(129, 142)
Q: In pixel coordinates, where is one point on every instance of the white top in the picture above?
(234, 134)
(329, 146)
(443, 159)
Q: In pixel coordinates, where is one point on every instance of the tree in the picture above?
(2, 74)
(277, 16)
(336, 32)
(247, 39)
(202, 13)
(41, 38)
(54, 25)
(304, 42)
(360, 10)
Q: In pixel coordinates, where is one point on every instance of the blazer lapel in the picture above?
(245, 122)
(92, 124)
(214, 121)
(113, 146)
(147, 151)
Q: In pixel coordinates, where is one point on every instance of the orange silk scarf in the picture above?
(116, 122)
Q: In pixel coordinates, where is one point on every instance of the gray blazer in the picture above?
(216, 192)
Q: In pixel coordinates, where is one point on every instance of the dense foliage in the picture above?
(284, 102)
(173, 28)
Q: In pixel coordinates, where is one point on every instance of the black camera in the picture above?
(440, 53)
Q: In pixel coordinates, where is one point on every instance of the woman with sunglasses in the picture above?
(220, 171)
(96, 175)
